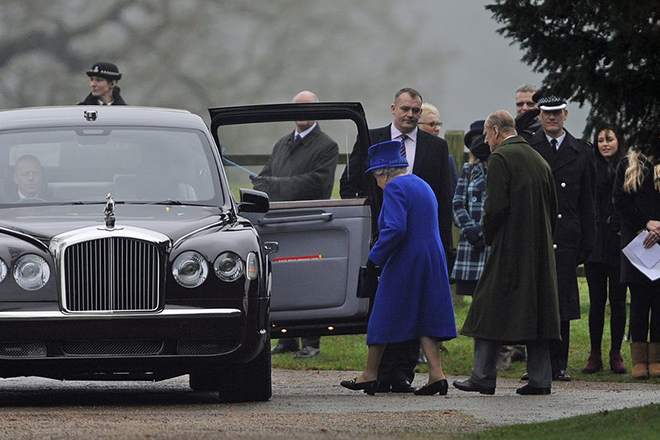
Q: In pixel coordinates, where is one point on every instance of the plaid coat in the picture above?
(468, 206)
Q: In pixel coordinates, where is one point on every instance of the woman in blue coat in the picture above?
(413, 300)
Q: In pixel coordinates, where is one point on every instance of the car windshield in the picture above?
(134, 165)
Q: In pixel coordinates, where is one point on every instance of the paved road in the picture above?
(305, 405)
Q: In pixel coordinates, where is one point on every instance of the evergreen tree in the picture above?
(603, 52)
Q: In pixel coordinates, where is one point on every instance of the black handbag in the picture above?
(367, 283)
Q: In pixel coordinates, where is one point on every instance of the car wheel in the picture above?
(249, 382)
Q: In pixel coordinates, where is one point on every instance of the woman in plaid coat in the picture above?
(472, 251)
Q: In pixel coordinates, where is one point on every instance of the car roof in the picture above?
(105, 116)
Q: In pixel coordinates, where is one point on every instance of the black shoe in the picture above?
(561, 376)
(307, 352)
(525, 376)
(281, 348)
(383, 387)
(440, 386)
(368, 387)
(402, 387)
(468, 385)
(529, 390)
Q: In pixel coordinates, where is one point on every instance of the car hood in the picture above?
(45, 222)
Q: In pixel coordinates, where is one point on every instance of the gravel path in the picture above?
(305, 405)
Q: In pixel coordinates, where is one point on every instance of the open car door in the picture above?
(322, 243)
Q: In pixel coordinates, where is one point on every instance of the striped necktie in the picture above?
(403, 138)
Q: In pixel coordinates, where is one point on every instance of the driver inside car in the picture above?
(29, 179)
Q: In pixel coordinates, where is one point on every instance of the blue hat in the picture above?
(386, 155)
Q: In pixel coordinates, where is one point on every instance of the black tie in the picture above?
(553, 144)
(403, 145)
(297, 142)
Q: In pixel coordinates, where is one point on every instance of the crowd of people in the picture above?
(530, 193)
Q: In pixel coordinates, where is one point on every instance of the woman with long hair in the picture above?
(636, 196)
(603, 267)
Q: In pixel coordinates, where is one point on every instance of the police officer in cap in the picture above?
(104, 85)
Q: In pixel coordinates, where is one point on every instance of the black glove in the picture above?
(583, 256)
(526, 119)
(373, 269)
(473, 234)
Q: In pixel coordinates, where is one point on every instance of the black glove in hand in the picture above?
(473, 234)
(526, 119)
(373, 269)
(479, 245)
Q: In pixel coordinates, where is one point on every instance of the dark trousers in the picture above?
(644, 302)
(603, 279)
(292, 343)
(484, 371)
(398, 362)
(559, 349)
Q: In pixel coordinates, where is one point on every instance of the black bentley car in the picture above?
(130, 248)
(124, 256)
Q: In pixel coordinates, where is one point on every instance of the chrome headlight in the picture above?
(228, 266)
(3, 270)
(190, 269)
(31, 272)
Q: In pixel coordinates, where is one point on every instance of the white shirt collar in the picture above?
(560, 139)
(306, 132)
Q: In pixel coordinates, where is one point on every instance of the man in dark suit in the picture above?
(428, 157)
(573, 168)
(301, 167)
(28, 182)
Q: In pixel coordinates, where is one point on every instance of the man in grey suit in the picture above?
(301, 167)
(428, 156)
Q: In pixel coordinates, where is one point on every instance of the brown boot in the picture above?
(654, 359)
(639, 352)
(616, 362)
(594, 363)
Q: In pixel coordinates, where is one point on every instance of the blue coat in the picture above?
(413, 297)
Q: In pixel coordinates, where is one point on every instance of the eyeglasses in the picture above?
(528, 103)
(431, 124)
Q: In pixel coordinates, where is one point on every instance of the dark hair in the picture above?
(412, 92)
(621, 141)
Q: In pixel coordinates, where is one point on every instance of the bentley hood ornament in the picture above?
(109, 212)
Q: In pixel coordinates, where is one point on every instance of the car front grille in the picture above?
(111, 274)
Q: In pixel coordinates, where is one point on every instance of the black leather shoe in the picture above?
(529, 390)
(440, 386)
(368, 387)
(383, 387)
(402, 387)
(561, 376)
(468, 385)
(525, 376)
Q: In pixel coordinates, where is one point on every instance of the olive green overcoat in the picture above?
(516, 297)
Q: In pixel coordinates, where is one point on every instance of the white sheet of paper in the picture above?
(645, 260)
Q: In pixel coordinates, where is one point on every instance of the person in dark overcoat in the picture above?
(104, 84)
(636, 195)
(428, 158)
(602, 270)
(516, 298)
(572, 164)
(413, 300)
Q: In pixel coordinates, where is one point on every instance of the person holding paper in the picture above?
(636, 196)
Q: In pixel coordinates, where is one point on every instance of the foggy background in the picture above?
(196, 54)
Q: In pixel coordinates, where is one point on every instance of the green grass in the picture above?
(626, 424)
(350, 352)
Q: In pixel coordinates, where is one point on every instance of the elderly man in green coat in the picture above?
(516, 298)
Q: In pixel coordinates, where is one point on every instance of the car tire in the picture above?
(248, 382)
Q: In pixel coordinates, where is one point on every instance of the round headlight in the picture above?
(31, 272)
(3, 271)
(228, 266)
(190, 269)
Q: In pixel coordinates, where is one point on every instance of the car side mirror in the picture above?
(253, 201)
